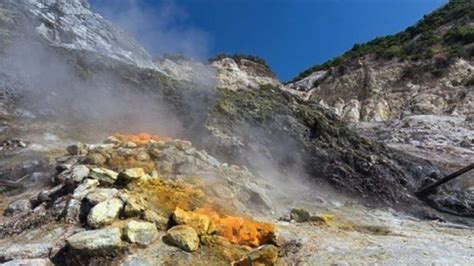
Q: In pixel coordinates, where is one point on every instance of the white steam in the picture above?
(162, 29)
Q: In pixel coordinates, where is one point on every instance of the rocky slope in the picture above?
(305, 175)
(412, 90)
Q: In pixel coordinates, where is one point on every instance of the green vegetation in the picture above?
(425, 40)
(239, 57)
(461, 34)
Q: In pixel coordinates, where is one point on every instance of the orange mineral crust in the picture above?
(140, 139)
(237, 230)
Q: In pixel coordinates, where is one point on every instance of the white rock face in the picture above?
(233, 76)
(307, 83)
(71, 24)
(188, 70)
(385, 92)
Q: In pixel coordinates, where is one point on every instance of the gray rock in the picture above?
(130, 144)
(96, 241)
(104, 213)
(28, 262)
(101, 194)
(26, 251)
(96, 158)
(153, 217)
(300, 215)
(85, 188)
(73, 211)
(49, 194)
(133, 207)
(184, 237)
(20, 205)
(79, 173)
(182, 144)
(141, 232)
(77, 149)
(104, 175)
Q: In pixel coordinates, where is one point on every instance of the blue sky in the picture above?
(290, 35)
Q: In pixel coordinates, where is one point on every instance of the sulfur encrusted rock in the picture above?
(132, 174)
(184, 237)
(141, 232)
(134, 207)
(264, 255)
(199, 222)
(104, 213)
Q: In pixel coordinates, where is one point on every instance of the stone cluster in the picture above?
(129, 191)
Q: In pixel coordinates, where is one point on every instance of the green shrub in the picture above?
(456, 51)
(394, 51)
(461, 34)
(239, 57)
(417, 41)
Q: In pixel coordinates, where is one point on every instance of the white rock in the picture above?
(104, 213)
(104, 175)
(141, 232)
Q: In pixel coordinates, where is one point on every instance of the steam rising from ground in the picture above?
(52, 91)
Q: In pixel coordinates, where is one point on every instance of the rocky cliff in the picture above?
(305, 176)
(416, 85)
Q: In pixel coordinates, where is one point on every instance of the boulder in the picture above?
(200, 222)
(130, 144)
(323, 219)
(20, 205)
(101, 241)
(79, 173)
(134, 207)
(132, 174)
(77, 149)
(143, 156)
(103, 175)
(73, 211)
(85, 188)
(263, 255)
(153, 217)
(96, 159)
(141, 232)
(28, 262)
(101, 194)
(184, 237)
(300, 215)
(25, 251)
(104, 213)
(50, 194)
